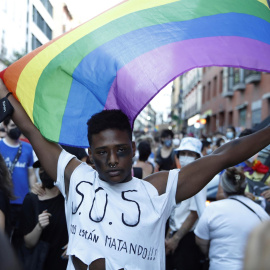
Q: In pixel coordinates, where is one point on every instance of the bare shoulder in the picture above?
(159, 181)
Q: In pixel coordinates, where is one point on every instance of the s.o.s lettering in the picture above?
(99, 204)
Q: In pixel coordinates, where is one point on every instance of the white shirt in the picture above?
(182, 210)
(227, 224)
(123, 223)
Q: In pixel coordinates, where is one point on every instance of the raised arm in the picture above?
(193, 177)
(47, 152)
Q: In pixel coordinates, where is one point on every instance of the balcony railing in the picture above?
(228, 93)
(252, 76)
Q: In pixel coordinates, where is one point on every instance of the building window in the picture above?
(236, 76)
(209, 91)
(48, 31)
(42, 25)
(238, 79)
(249, 72)
(230, 119)
(221, 121)
(48, 6)
(256, 116)
(203, 95)
(221, 82)
(35, 43)
(242, 117)
(230, 79)
(252, 76)
(215, 86)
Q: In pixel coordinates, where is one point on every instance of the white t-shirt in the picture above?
(182, 210)
(227, 224)
(123, 223)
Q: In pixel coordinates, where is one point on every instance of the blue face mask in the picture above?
(168, 142)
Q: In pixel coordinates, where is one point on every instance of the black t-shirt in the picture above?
(5, 208)
(165, 164)
(55, 233)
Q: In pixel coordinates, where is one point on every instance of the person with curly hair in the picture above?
(115, 220)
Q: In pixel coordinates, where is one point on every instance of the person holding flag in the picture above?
(116, 221)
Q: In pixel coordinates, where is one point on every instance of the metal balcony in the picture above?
(252, 76)
(239, 86)
(227, 94)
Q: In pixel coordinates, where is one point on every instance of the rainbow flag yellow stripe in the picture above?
(124, 57)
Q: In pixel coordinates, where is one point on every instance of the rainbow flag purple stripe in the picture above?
(124, 57)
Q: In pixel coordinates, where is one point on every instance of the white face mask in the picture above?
(185, 160)
(229, 135)
(209, 151)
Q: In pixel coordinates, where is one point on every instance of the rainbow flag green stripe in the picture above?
(114, 60)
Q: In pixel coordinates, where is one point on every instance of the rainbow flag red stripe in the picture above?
(124, 57)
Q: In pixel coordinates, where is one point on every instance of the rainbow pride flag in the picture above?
(125, 56)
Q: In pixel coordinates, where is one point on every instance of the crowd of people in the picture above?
(216, 237)
(127, 207)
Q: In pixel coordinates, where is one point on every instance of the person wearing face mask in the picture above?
(50, 224)
(18, 157)
(181, 249)
(206, 148)
(230, 133)
(165, 156)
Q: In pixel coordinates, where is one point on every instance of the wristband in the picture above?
(6, 109)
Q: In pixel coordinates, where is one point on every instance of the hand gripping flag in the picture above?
(124, 57)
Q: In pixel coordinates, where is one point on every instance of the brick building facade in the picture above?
(234, 97)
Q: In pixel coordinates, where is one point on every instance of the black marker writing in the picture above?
(75, 209)
(100, 218)
(130, 248)
(139, 210)
(100, 203)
